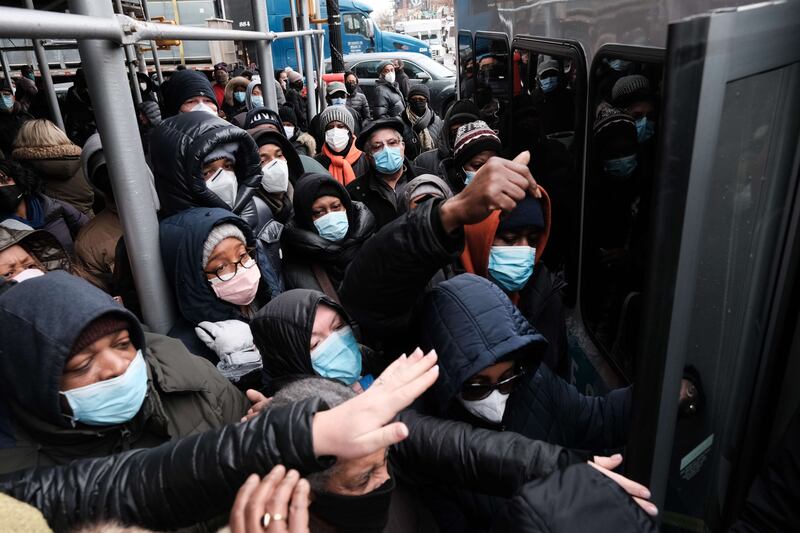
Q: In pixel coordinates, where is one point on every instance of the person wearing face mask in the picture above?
(388, 100)
(507, 249)
(222, 171)
(186, 91)
(327, 232)
(422, 126)
(339, 154)
(475, 143)
(11, 117)
(295, 99)
(253, 99)
(380, 188)
(492, 377)
(221, 78)
(356, 99)
(26, 253)
(618, 234)
(110, 386)
(336, 96)
(553, 99)
(22, 205)
(632, 94)
(440, 160)
(281, 167)
(303, 142)
(304, 332)
(235, 97)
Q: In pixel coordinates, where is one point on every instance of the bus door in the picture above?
(720, 290)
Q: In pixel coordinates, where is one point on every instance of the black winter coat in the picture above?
(195, 479)
(578, 498)
(358, 101)
(178, 147)
(304, 248)
(386, 205)
(388, 100)
(177, 484)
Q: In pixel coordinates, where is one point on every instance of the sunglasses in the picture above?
(473, 392)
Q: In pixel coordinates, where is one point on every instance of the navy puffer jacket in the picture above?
(472, 325)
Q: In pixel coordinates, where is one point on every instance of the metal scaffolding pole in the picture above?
(308, 59)
(6, 66)
(47, 80)
(129, 59)
(116, 121)
(296, 40)
(264, 50)
(153, 47)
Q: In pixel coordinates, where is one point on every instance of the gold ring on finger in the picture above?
(277, 517)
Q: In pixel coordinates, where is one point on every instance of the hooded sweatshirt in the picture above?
(240, 118)
(42, 319)
(306, 253)
(540, 300)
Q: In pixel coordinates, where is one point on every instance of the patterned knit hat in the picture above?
(217, 235)
(629, 89)
(336, 112)
(472, 139)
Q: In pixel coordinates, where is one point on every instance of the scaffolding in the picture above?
(104, 39)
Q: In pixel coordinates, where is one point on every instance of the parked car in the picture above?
(420, 69)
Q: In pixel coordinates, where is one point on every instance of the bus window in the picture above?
(466, 65)
(625, 97)
(548, 108)
(493, 89)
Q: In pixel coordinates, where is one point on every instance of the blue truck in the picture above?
(360, 34)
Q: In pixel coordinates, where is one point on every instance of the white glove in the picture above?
(232, 341)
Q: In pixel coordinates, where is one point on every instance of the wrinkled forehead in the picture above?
(383, 135)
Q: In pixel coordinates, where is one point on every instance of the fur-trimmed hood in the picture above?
(233, 84)
(61, 151)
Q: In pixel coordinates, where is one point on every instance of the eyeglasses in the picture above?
(473, 392)
(391, 143)
(227, 271)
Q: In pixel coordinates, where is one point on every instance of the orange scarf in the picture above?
(341, 167)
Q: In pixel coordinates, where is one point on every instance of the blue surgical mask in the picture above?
(511, 266)
(621, 167)
(468, 176)
(112, 401)
(333, 226)
(257, 101)
(338, 357)
(618, 64)
(388, 161)
(7, 101)
(338, 101)
(239, 97)
(548, 84)
(644, 129)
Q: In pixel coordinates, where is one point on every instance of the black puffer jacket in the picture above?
(578, 498)
(174, 485)
(178, 147)
(388, 100)
(282, 333)
(305, 250)
(370, 190)
(194, 479)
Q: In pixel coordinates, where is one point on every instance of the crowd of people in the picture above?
(305, 257)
